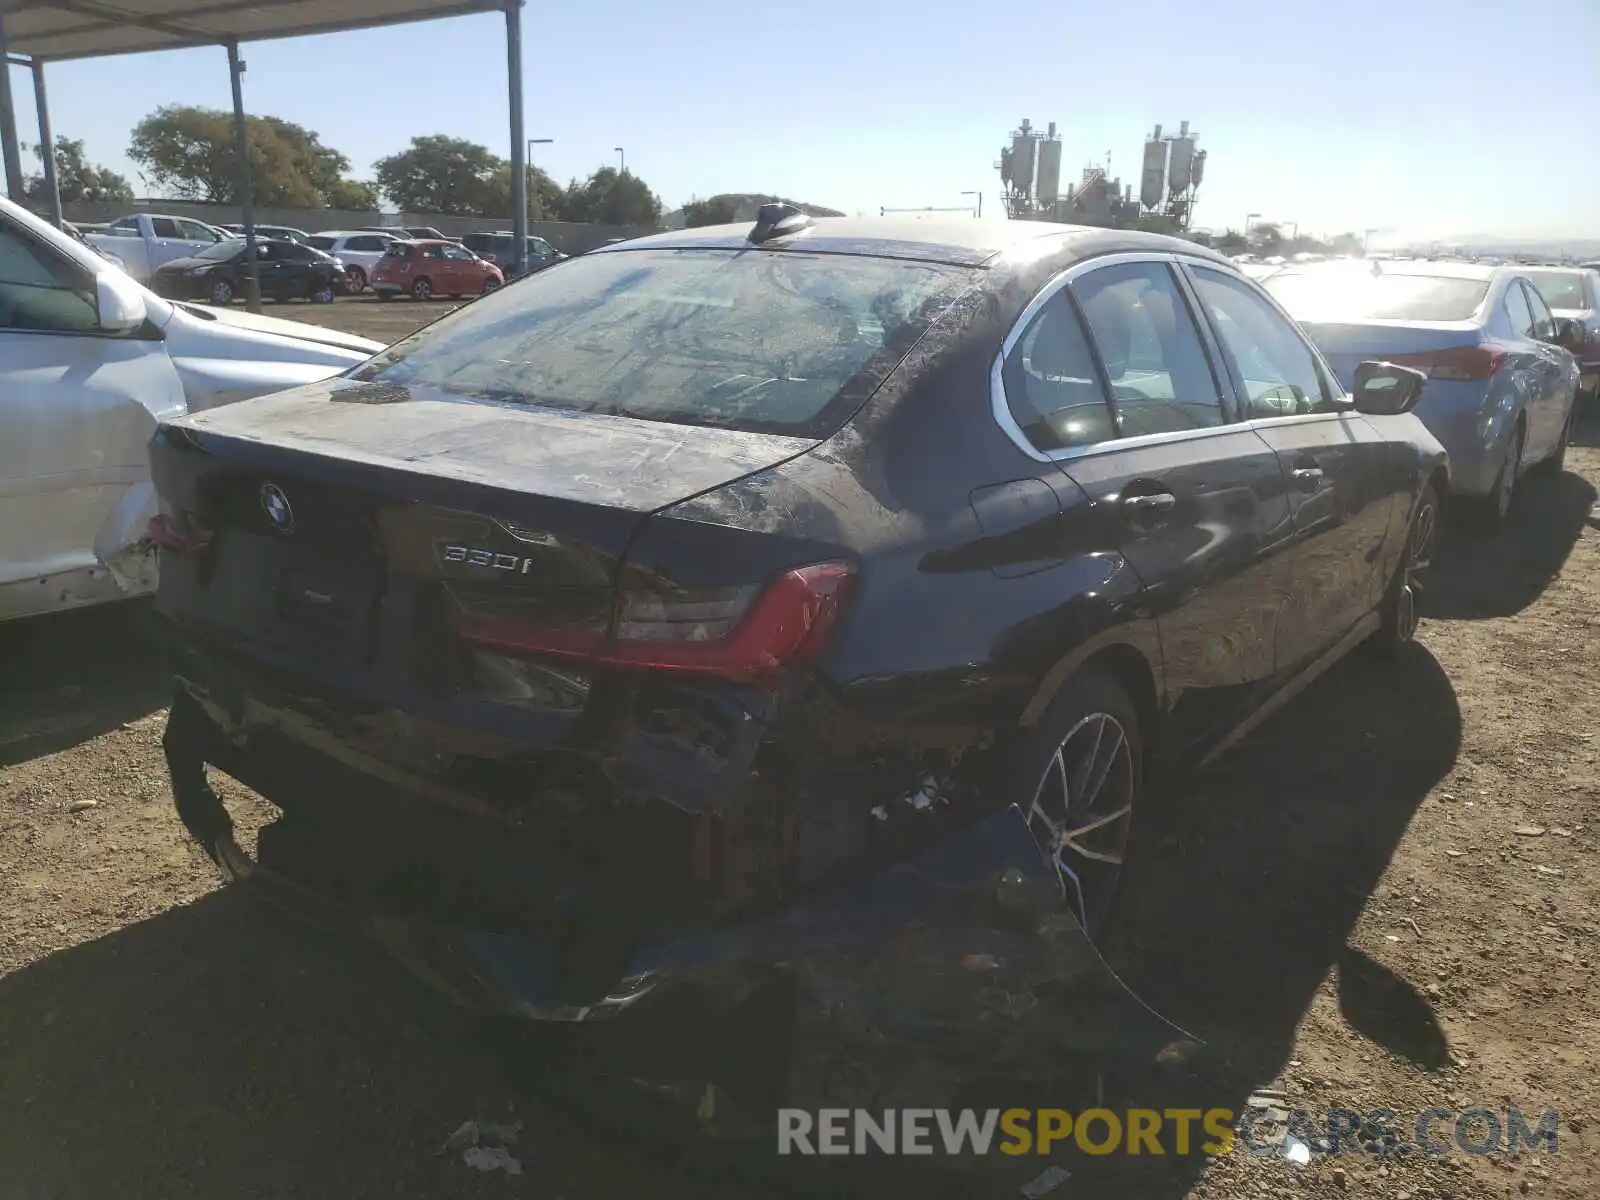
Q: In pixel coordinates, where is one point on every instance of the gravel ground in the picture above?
(1383, 899)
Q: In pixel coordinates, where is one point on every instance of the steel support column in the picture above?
(10, 148)
(519, 147)
(47, 146)
(247, 208)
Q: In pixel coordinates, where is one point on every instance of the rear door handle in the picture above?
(1307, 479)
(1149, 509)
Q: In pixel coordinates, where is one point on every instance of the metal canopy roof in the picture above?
(63, 29)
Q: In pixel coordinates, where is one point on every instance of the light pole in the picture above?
(978, 210)
(622, 161)
(533, 192)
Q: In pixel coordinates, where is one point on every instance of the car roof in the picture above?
(1549, 269)
(339, 233)
(963, 241)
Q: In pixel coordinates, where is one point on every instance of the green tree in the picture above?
(546, 197)
(719, 210)
(1230, 241)
(610, 197)
(80, 180)
(352, 195)
(442, 174)
(190, 152)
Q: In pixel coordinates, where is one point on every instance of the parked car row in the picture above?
(1502, 373)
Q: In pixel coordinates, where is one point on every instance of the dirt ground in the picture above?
(1385, 898)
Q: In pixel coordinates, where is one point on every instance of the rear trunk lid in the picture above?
(1346, 345)
(355, 532)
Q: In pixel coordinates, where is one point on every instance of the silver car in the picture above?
(1501, 390)
(1573, 294)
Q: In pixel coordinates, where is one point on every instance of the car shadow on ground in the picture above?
(72, 677)
(1481, 575)
(220, 1050)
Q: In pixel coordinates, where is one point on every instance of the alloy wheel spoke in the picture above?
(1101, 768)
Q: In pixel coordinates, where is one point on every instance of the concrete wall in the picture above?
(570, 236)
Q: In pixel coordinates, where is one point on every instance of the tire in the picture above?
(490, 286)
(1494, 510)
(222, 292)
(1091, 709)
(323, 294)
(355, 280)
(422, 289)
(1557, 461)
(1401, 602)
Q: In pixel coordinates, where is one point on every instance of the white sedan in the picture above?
(89, 362)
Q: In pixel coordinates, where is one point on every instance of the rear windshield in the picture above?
(321, 243)
(1356, 295)
(762, 341)
(1560, 289)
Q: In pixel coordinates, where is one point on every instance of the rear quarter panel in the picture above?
(955, 626)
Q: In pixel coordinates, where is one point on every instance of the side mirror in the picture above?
(1386, 389)
(119, 302)
(1569, 334)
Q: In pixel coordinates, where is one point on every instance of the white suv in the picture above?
(359, 251)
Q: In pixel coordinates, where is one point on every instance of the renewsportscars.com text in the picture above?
(1180, 1131)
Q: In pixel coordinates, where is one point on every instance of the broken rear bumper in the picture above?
(959, 962)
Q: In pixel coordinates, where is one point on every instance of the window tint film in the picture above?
(785, 342)
(1141, 325)
(1271, 363)
(1051, 384)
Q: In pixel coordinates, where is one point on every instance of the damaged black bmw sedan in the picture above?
(744, 600)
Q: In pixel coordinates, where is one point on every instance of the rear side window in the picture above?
(1517, 310)
(1274, 368)
(1052, 385)
(163, 227)
(373, 244)
(320, 243)
(397, 250)
(777, 342)
(1142, 328)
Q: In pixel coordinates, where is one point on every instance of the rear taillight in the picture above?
(1458, 364)
(730, 633)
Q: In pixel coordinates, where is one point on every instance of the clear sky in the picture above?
(1419, 117)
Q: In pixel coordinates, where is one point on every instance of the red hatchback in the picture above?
(424, 270)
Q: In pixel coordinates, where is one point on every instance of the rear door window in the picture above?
(1273, 368)
(325, 244)
(1052, 386)
(778, 342)
(1517, 310)
(1151, 351)
(1544, 322)
(164, 227)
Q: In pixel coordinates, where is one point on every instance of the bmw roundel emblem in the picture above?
(276, 505)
